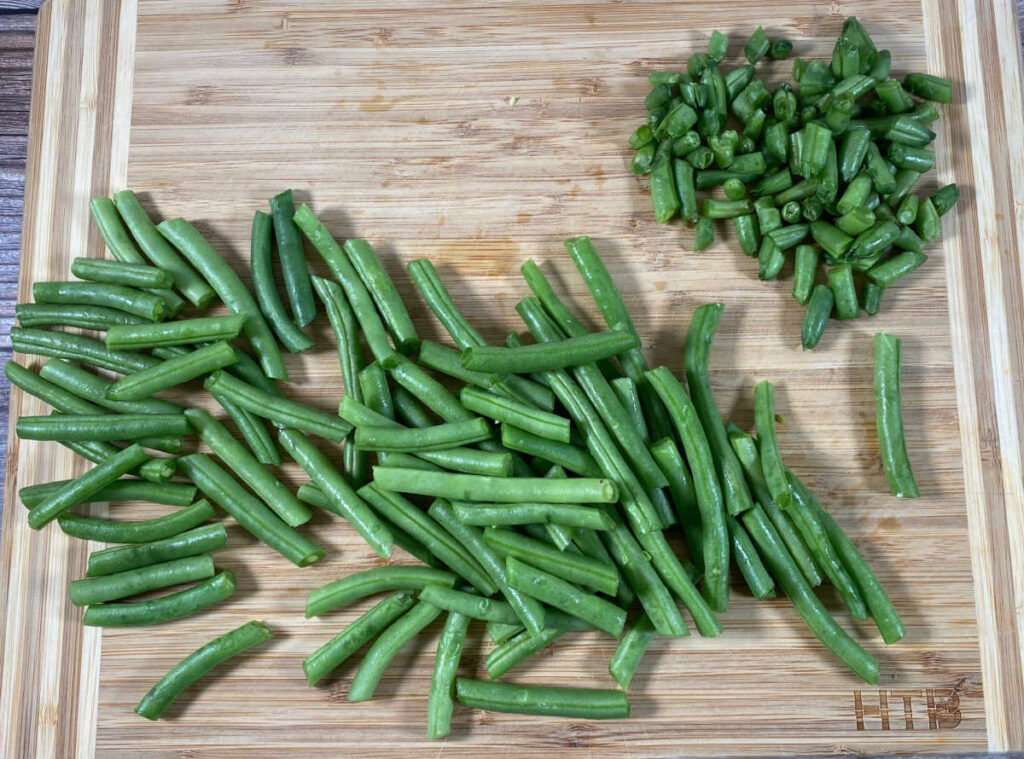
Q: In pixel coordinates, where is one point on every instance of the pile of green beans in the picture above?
(822, 168)
(558, 470)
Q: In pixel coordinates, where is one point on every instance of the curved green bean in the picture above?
(294, 270)
(438, 437)
(156, 248)
(355, 290)
(198, 663)
(146, 531)
(578, 703)
(547, 588)
(372, 581)
(440, 702)
(332, 654)
(715, 541)
(248, 469)
(99, 318)
(283, 412)
(182, 332)
(83, 487)
(249, 511)
(496, 489)
(384, 294)
(127, 299)
(889, 417)
(229, 288)
(172, 372)
(525, 644)
(44, 342)
(261, 267)
(204, 539)
(97, 590)
(164, 608)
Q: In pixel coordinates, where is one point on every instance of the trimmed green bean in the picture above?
(268, 299)
(804, 269)
(788, 236)
(439, 300)
(145, 531)
(111, 587)
(93, 388)
(384, 294)
(927, 224)
(853, 151)
(771, 458)
(372, 581)
(198, 663)
(892, 270)
(156, 248)
(172, 372)
(576, 460)
(562, 595)
(631, 649)
(469, 604)
(99, 318)
(872, 298)
(294, 270)
(572, 351)
(195, 542)
(496, 489)
(280, 411)
(441, 703)
(164, 608)
(819, 309)
(930, 87)
(577, 703)
(516, 413)
(680, 483)
(229, 289)
(525, 644)
(856, 220)
(168, 493)
(574, 568)
(758, 580)
(844, 292)
(568, 515)
(333, 654)
(120, 273)
(944, 199)
(889, 417)
(127, 299)
(438, 437)
(92, 427)
(49, 392)
(249, 511)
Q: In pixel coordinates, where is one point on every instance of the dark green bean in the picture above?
(97, 318)
(819, 309)
(664, 196)
(680, 483)
(572, 351)
(169, 493)
(704, 236)
(127, 299)
(267, 298)
(903, 183)
(889, 417)
(852, 152)
(195, 542)
(434, 438)
(786, 237)
(946, 198)
(440, 702)
(844, 293)
(89, 427)
(804, 269)
(930, 87)
(97, 590)
(576, 460)
(482, 515)
(294, 270)
(525, 644)
(229, 289)
(164, 608)
(565, 565)
(770, 260)
(856, 220)
(631, 649)
(385, 296)
(469, 604)
(185, 332)
(198, 663)
(252, 429)
(558, 593)
(771, 459)
(895, 268)
(928, 225)
(157, 249)
(545, 701)
(757, 578)
(172, 372)
(120, 273)
(496, 489)
(680, 580)
(250, 512)
(109, 531)
(372, 581)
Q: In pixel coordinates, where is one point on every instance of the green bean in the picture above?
(109, 531)
(268, 299)
(895, 268)
(771, 459)
(806, 264)
(245, 466)
(695, 358)
(746, 233)
(572, 351)
(169, 493)
(852, 151)
(568, 515)
(680, 483)
(93, 388)
(925, 113)
(516, 413)
(425, 388)
(86, 485)
(172, 372)
(631, 649)
(877, 600)
(799, 191)
(97, 318)
(930, 87)
(496, 489)
(194, 542)
(786, 237)
(872, 298)
(96, 590)
(643, 135)
(928, 225)
(708, 491)
(819, 308)
(469, 604)
(373, 386)
(53, 394)
(229, 289)
(156, 248)
(525, 644)
(704, 235)
(449, 361)
(198, 663)
(680, 581)
(746, 451)
(575, 459)
(769, 218)
(120, 273)
(856, 220)
(252, 429)
(757, 46)
(946, 198)
(840, 280)
(571, 567)
(281, 411)
(332, 654)
(439, 300)
(558, 593)
(889, 417)
(903, 183)
(358, 296)
(529, 611)
(127, 299)
(676, 122)
(154, 470)
(164, 608)
(88, 427)
(438, 437)
(791, 213)
(577, 703)
(293, 262)
(386, 646)
(372, 581)
(440, 702)
(807, 604)
(384, 295)
(664, 196)
(342, 498)
(249, 511)
(626, 391)
(745, 555)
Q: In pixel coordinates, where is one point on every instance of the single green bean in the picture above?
(889, 417)
(930, 87)
(146, 531)
(164, 608)
(788, 236)
(680, 483)
(90, 427)
(294, 270)
(946, 198)
(565, 565)
(438, 437)
(249, 511)
(572, 351)
(156, 248)
(469, 604)
(844, 292)
(872, 298)
(97, 590)
(172, 372)
(577, 703)
(127, 299)
(372, 581)
(804, 269)
(758, 580)
(852, 151)
(834, 241)
(562, 595)
(771, 458)
(525, 644)
(892, 270)
(99, 318)
(631, 649)
(856, 220)
(261, 268)
(198, 663)
(569, 515)
(282, 412)
(120, 273)
(440, 703)
(439, 300)
(384, 294)
(229, 289)
(573, 458)
(332, 654)
(93, 388)
(496, 489)
(516, 413)
(927, 222)
(819, 309)
(708, 491)
(168, 493)
(252, 429)
(195, 542)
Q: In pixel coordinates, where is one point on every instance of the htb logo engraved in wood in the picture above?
(908, 709)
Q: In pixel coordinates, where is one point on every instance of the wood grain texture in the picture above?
(395, 122)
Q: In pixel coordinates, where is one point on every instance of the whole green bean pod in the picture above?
(194, 666)
(156, 248)
(249, 512)
(183, 332)
(229, 288)
(262, 269)
(164, 608)
(90, 427)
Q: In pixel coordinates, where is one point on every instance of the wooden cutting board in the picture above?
(479, 136)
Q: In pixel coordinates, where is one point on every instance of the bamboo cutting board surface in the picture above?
(397, 123)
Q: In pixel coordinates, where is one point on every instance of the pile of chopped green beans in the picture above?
(536, 486)
(821, 169)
